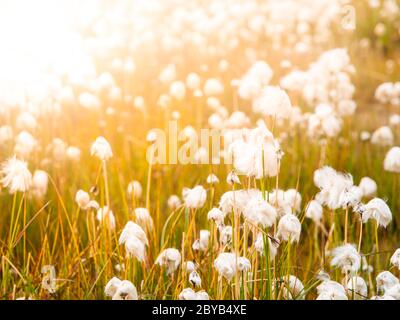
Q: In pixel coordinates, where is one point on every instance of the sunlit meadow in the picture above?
(200, 149)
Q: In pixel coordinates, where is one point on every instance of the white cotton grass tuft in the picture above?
(331, 290)
(194, 279)
(73, 153)
(106, 217)
(357, 288)
(225, 235)
(386, 280)
(82, 198)
(289, 228)
(232, 178)
(274, 102)
(383, 136)
(190, 294)
(259, 245)
(392, 160)
(377, 209)
(291, 288)
(255, 153)
(194, 198)
(101, 149)
(121, 289)
(135, 240)
(212, 179)
(293, 198)
(16, 175)
(201, 244)
(217, 216)
(314, 211)
(143, 218)
(347, 258)
(368, 187)
(227, 264)
(135, 189)
(25, 145)
(336, 189)
(395, 259)
(40, 183)
(174, 202)
(260, 212)
(170, 259)
(213, 87)
(236, 201)
(189, 266)
(394, 292)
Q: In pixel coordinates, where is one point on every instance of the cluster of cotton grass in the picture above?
(306, 208)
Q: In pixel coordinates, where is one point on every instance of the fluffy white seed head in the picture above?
(395, 259)
(194, 198)
(346, 258)
(101, 149)
(16, 175)
(170, 259)
(289, 228)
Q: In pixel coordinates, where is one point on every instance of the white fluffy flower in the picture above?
(190, 294)
(357, 287)
(232, 178)
(174, 202)
(259, 245)
(394, 292)
(121, 290)
(193, 81)
(378, 210)
(143, 218)
(386, 280)
(395, 259)
(213, 87)
(289, 228)
(392, 160)
(177, 90)
(194, 198)
(82, 198)
(169, 258)
(346, 258)
(314, 211)
(105, 215)
(293, 199)
(368, 187)
(336, 188)
(212, 179)
(135, 240)
(16, 175)
(189, 266)
(101, 149)
(202, 243)
(39, 183)
(194, 279)
(236, 201)
(25, 144)
(331, 290)
(135, 189)
(293, 288)
(225, 234)
(256, 155)
(73, 153)
(259, 211)
(273, 101)
(383, 136)
(216, 215)
(227, 264)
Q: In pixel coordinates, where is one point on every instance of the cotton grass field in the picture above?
(202, 149)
